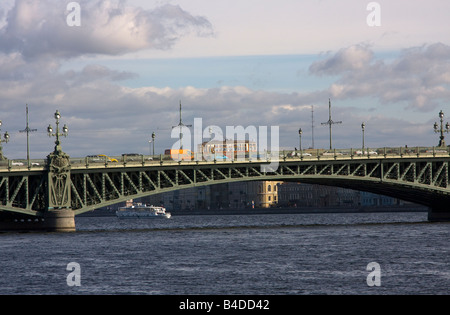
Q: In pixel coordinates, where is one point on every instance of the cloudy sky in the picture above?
(121, 74)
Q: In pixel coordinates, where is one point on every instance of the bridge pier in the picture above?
(51, 221)
(439, 215)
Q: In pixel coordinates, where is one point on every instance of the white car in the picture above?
(359, 152)
(299, 154)
(16, 163)
(332, 153)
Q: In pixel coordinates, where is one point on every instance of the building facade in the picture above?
(266, 194)
(240, 195)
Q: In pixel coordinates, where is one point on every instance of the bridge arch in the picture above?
(422, 180)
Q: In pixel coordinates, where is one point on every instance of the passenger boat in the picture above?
(139, 210)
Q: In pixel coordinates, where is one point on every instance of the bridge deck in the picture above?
(160, 160)
(420, 175)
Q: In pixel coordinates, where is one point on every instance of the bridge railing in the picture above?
(134, 160)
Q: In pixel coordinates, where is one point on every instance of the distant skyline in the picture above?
(120, 75)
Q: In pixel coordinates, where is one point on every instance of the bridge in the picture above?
(48, 194)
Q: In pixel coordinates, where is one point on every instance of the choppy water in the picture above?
(211, 255)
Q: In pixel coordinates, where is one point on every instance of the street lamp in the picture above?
(441, 130)
(300, 132)
(57, 134)
(363, 126)
(153, 141)
(4, 140)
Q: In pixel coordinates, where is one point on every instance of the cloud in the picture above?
(104, 116)
(353, 58)
(419, 77)
(38, 28)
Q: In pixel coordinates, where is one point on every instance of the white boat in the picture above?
(139, 210)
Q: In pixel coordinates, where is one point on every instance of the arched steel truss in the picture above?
(423, 180)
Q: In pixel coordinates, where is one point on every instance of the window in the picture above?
(269, 188)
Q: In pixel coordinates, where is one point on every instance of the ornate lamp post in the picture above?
(363, 126)
(5, 140)
(441, 130)
(300, 132)
(58, 171)
(59, 215)
(153, 142)
(57, 134)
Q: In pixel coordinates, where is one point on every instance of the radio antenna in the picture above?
(330, 122)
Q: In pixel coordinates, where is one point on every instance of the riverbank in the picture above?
(301, 210)
(249, 211)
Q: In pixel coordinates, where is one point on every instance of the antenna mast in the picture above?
(28, 130)
(330, 122)
(312, 125)
(181, 125)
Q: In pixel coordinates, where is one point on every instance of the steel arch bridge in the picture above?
(72, 187)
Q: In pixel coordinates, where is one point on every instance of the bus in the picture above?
(179, 155)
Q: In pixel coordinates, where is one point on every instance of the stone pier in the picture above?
(51, 221)
(438, 216)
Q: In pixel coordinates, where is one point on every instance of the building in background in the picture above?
(240, 195)
(264, 194)
(267, 194)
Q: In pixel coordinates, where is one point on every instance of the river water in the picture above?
(282, 254)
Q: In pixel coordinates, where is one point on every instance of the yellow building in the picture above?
(264, 194)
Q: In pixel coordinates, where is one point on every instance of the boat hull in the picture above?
(134, 215)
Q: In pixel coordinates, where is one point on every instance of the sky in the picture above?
(121, 74)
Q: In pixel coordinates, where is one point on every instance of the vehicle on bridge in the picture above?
(179, 155)
(298, 154)
(101, 158)
(109, 159)
(360, 152)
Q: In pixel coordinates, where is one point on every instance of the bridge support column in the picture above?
(60, 221)
(52, 221)
(438, 214)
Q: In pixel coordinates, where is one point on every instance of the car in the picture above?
(300, 154)
(95, 158)
(132, 156)
(332, 153)
(16, 163)
(108, 158)
(99, 158)
(360, 152)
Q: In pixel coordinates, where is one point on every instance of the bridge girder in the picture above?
(421, 180)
